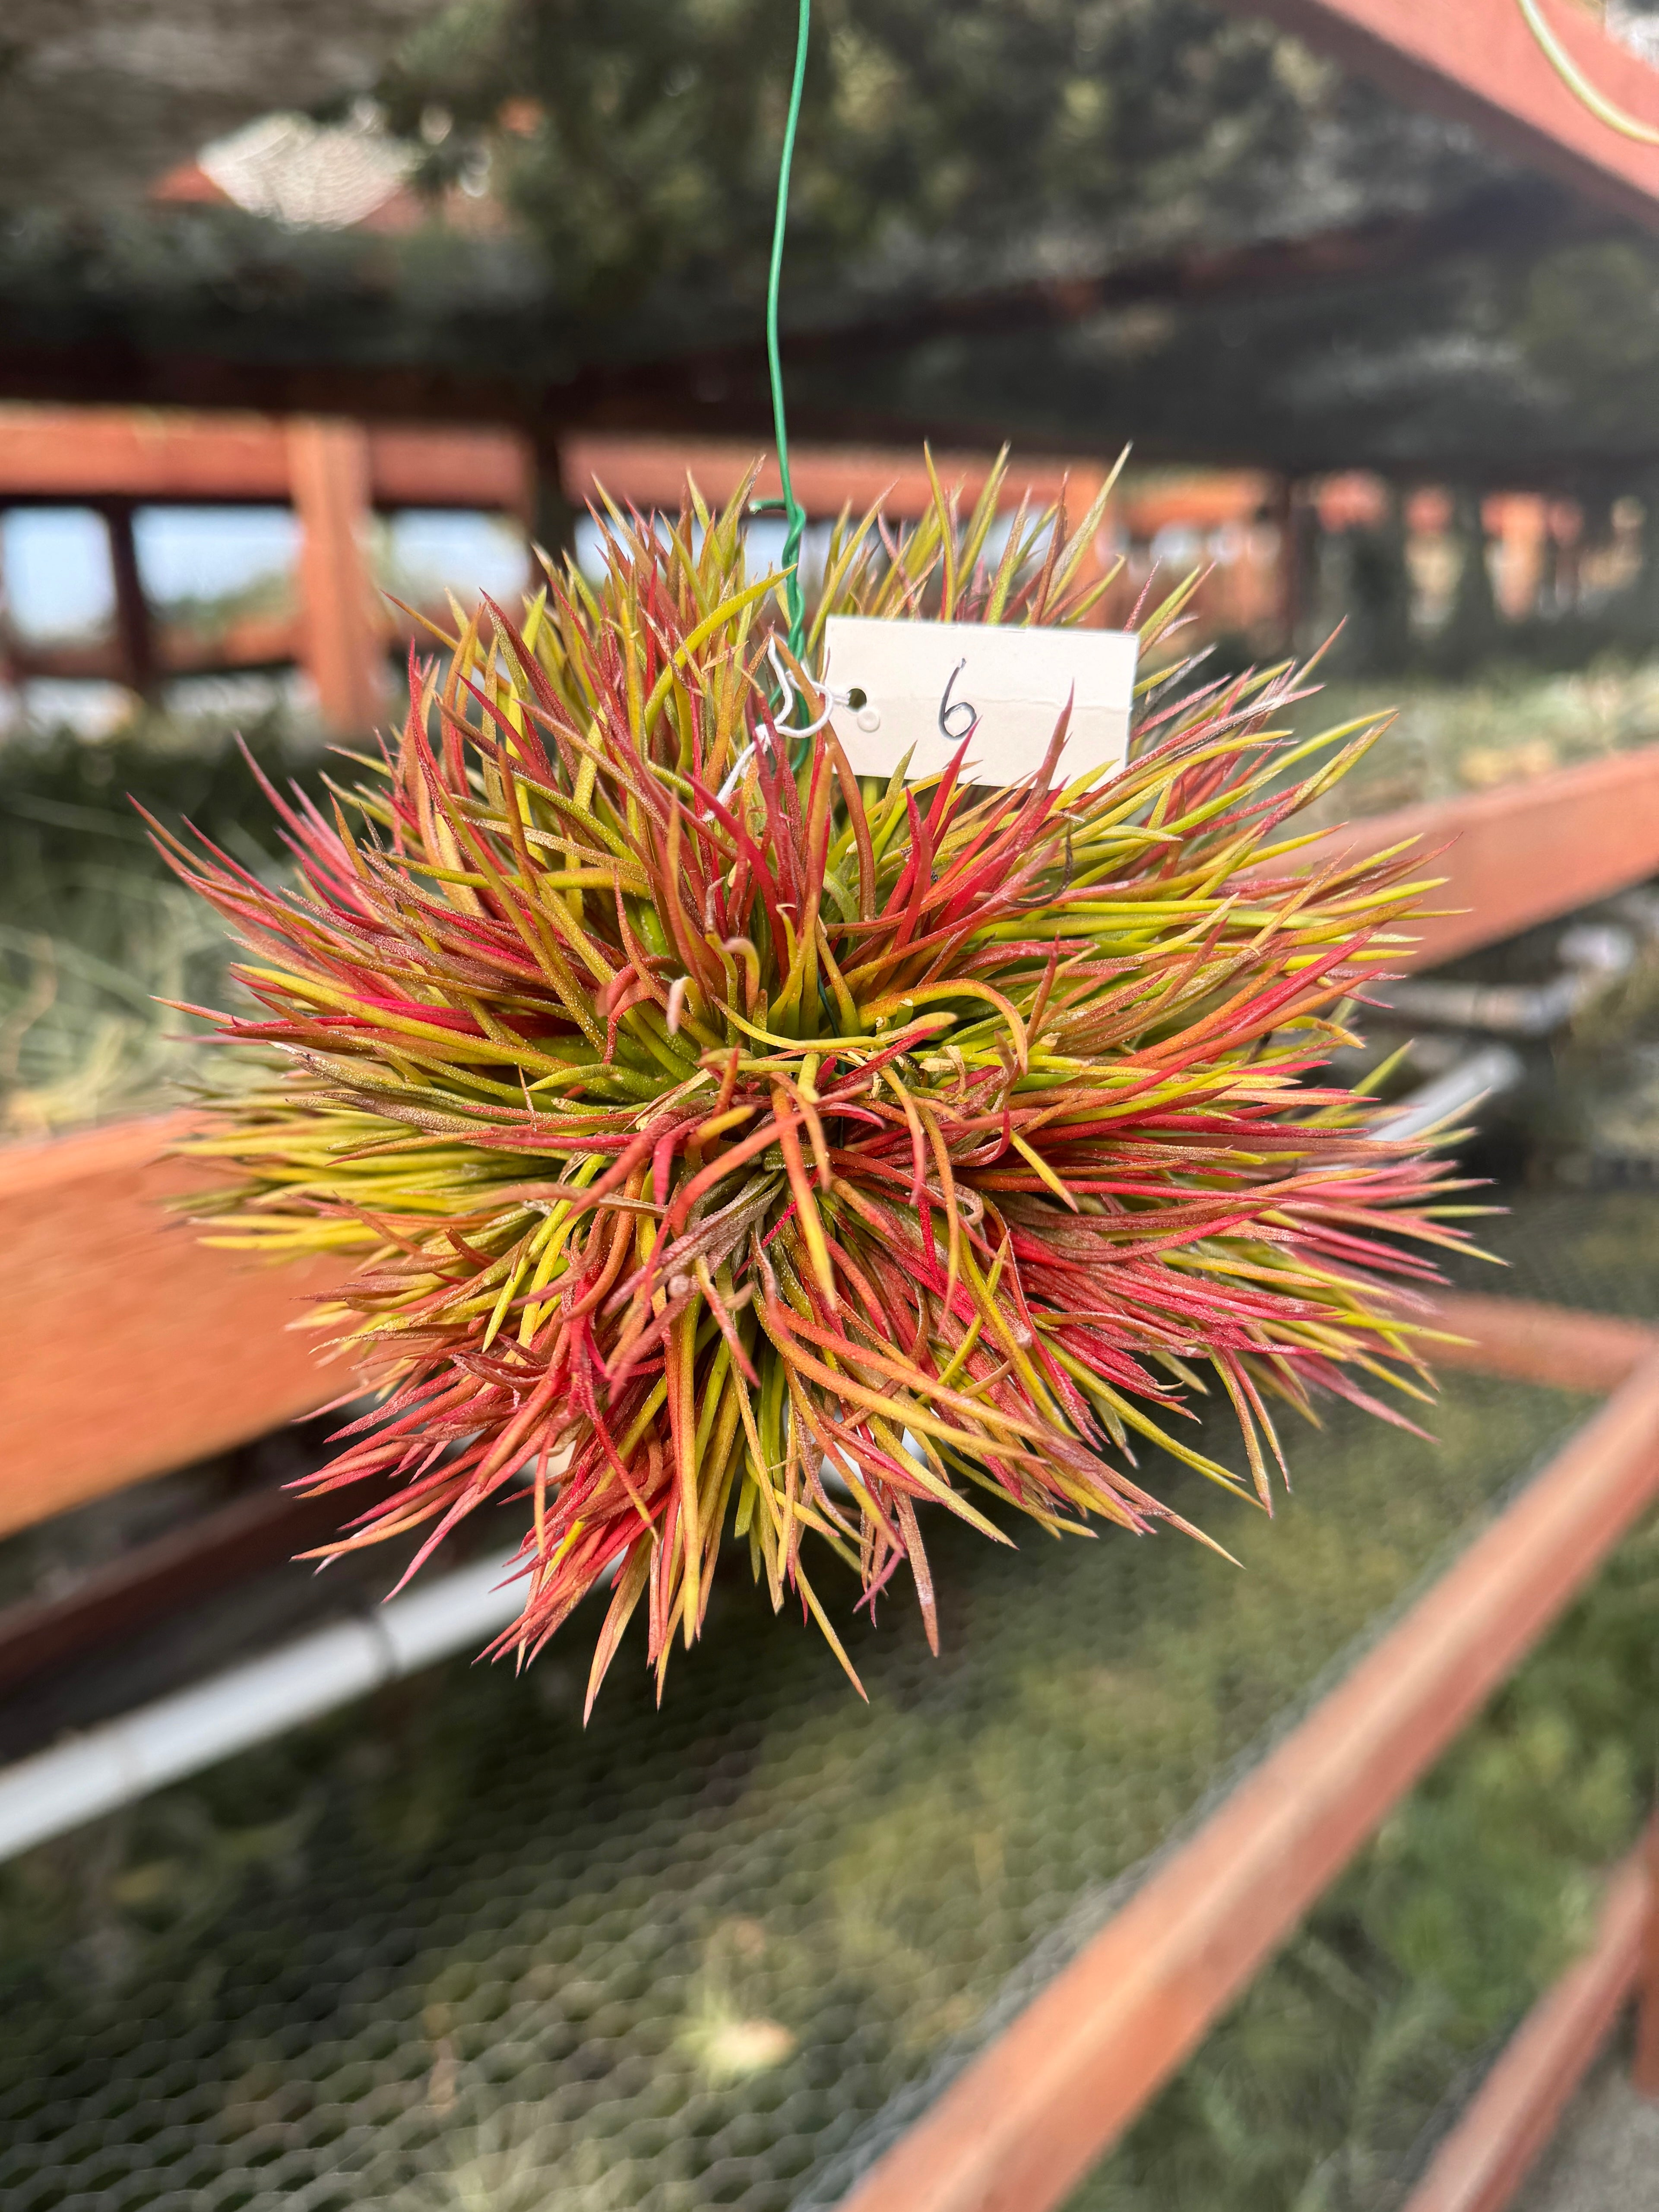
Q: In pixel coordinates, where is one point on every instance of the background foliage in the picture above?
(93, 931)
(976, 144)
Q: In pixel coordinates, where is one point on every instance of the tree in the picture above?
(942, 147)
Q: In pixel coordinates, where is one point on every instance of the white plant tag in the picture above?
(918, 686)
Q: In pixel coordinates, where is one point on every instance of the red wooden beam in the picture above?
(1645, 2073)
(1520, 854)
(1488, 2154)
(65, 453)
(130, 1347)
(86, 452)
(1551, 1345)
(412, 467)
(1022, 2125)
(1477, 62)
(68, 453)
(651, 472)
(343, 651)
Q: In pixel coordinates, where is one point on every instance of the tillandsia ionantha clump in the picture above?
(730, 1146)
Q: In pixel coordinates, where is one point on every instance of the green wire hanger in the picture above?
(795, 514)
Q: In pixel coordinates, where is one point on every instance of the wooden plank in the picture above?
(345, 647)
(651, 472)
(409, 465)
(1023, 2124)
(1509, 2120)
(1554, 1345)
(152, 455)
(1520, 854)
(130, 1347)
(152, 1580)
(1645, 2073)
(1477, 62)
(139, 453)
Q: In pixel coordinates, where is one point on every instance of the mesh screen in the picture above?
(1596, 1249)
(449, 1950)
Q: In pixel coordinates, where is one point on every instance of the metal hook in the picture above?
(947, 707)
(793, 691)
(811, 729)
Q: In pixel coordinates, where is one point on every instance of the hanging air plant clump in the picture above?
(733, 1150)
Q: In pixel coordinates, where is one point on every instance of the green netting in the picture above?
(450, 1951)
(1596, 1251)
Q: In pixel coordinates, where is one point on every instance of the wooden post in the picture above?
(1645, 2074)
(134, 631)
(553, 513)
(343, 636)
(1298, 514)
(1307, 554)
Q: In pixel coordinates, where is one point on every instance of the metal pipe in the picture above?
(1596, 955)
(1526, 1010)
(1482, 1075)
(125, 1758)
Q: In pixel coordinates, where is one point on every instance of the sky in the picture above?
(55, 583)
(55, 561)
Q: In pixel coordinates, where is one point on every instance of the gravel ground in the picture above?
(1606, 2157)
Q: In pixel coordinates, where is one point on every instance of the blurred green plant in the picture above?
(1509, 726)
(94, 934)
(637, 141)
